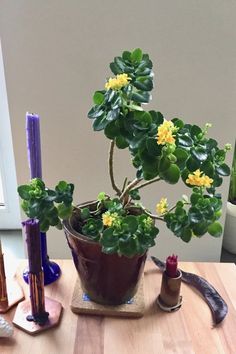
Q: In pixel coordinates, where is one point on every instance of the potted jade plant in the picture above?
(109, 237)
(229, 240)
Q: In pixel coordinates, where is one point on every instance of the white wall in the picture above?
(10, 211)
(57, 53)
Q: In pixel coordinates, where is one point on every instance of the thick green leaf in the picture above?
(136, 55)
(131, 222)
(181, 156)
(220, 155)
(164, 164)
(98, 98)
(199, 153)
(186, 234)
(141, 97)
(153, 148)
(100, 123)
(121, 142)
(178, 122)
(142, 120)
(85, 213)
(143, 83)
(126, 55)
(112, 130)
(200, 229)
(192, 164)
(223, 170)
(194, 215)
(62, 186)
(113, 114)
(215, 229)
(157, 117)
(95, 112)
(208, 168)
(128, 247)
(196, 132)
(64, 212)
(115, 69)
(24, 191)
(120, 63)
(108, 238)
(195, 198)
(172, 174)
(211, 144)
(185, 140)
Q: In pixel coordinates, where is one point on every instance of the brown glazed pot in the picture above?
(106, 279)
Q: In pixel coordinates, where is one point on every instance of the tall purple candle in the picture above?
(33, 144)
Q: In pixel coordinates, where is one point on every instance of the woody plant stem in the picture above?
(133, 185)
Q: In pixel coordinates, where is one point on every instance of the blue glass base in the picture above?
(51, 270)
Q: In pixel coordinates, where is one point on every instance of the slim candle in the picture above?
(36, 278)
(32, 233)
(3, 285)
(33, 144)
(171, 266)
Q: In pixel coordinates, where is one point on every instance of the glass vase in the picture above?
(51, 269)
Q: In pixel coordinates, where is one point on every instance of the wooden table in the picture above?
(188, 330)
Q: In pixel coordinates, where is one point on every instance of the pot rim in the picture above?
(69, 228)
(231, 209)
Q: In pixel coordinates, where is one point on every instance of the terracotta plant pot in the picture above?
(106, 279)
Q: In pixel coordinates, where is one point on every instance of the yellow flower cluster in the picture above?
(199, 179)
(165, 133)
(109, 218)
(162, 206)
(116, 83)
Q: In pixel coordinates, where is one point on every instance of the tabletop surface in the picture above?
(188, 330)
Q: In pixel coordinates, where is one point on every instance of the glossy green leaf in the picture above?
(95, 112)
(192, 164)
(196, 132)
(215, 229)
(100, 123)
(121, 142)
(194, 215)
(186, 234)
(126, 55)
(98, 98)
(164, 164)
(223, 170)
(157, 117)
(178, 122)
(131, 222)
(136, 55)
(208, 168)
(153, 148)
(172, 174)
(23, 191)
(112, 130)
(199, 153)
(143, 83)
(139, 96)
(115, 69)
(185, 141)
(200, 229)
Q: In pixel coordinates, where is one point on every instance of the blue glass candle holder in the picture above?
(51, 270)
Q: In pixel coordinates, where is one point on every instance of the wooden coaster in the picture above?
(24, 309)
(82, 304)
(14, 295)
